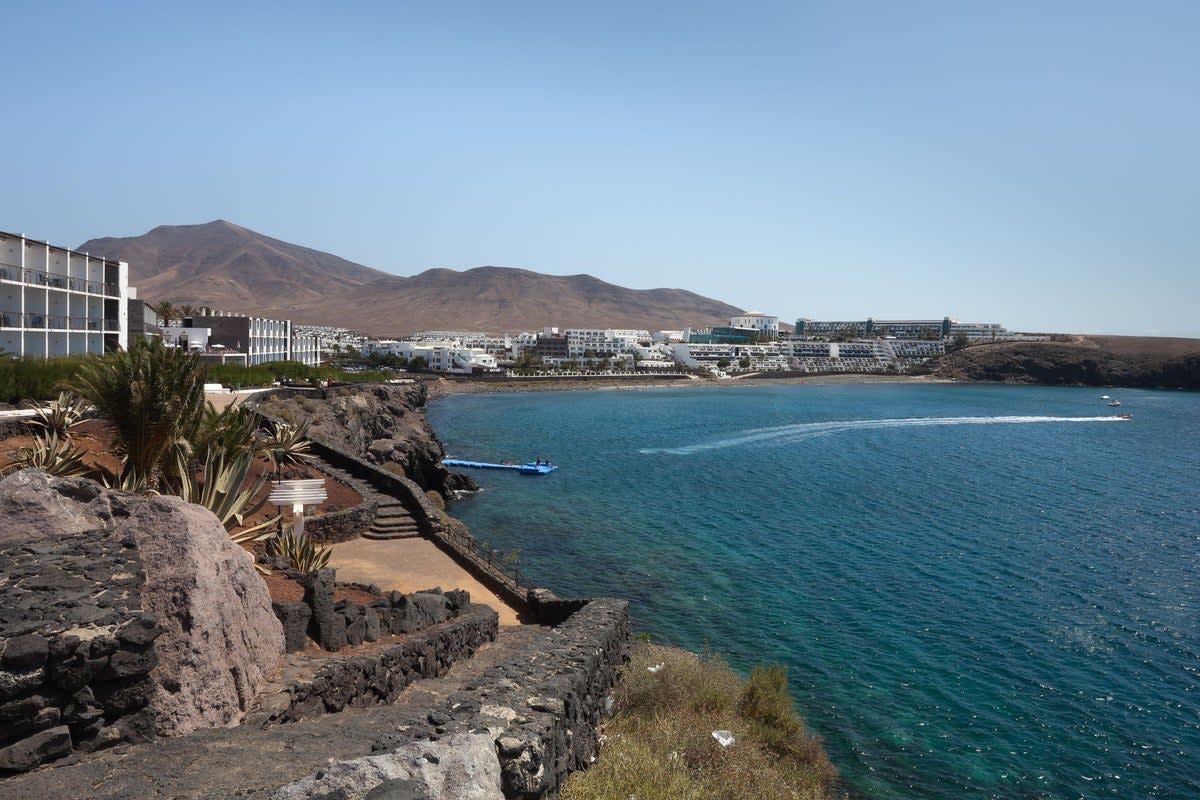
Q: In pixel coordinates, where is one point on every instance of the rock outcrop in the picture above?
(1082, 361)
(382, 424)
(120, 617)
(221, 640)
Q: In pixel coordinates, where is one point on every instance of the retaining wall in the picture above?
(379, 677)
(540, 714)
(76, 650)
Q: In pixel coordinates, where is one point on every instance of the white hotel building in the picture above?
(56, 302)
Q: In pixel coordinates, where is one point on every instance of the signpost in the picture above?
(298, 494)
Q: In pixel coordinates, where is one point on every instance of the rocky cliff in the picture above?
(380, 423)
(1081, 361)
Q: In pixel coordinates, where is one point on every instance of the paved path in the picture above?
(409, 565)
(253, 762)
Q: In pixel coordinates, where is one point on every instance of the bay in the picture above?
(978, 591)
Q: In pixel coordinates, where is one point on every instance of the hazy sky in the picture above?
(1030, 163)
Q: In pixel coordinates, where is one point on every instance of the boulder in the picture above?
(463, 766)
(33, 505)
(294, 617)
(37, 749)
(220, 639)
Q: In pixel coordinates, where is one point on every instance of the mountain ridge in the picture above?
(233, 268)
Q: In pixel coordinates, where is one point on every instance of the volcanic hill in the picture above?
(231, 268)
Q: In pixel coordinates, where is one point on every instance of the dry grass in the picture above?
(659, 743)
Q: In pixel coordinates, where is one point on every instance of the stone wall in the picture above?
(335, 624)
(380, 676)
(115, 619)
(341, 526)
(520, 729)
(76, 649)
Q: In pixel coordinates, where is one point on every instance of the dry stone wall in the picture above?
(121, 617)
(540, 712)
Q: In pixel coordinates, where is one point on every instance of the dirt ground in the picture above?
(409, 565)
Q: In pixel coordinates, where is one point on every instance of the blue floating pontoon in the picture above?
(524, 469)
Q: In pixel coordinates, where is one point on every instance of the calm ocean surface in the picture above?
(973, 601)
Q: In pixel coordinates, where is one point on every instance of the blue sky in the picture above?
(1029, 163)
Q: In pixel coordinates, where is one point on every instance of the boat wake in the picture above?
(809, 430)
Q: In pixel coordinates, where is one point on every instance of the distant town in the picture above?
(58, 302)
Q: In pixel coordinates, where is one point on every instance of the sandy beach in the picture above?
(441, 387)
(409, 565)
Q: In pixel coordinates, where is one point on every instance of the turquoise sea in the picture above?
(979, 591)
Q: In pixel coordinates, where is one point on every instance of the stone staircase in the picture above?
(392, 521)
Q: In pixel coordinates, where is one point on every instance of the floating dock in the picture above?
(524, 469)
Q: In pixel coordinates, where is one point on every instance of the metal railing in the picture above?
(495, 561)
(36, 320)
(51, 280)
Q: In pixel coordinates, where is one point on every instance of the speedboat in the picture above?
(1114, 402)
(1125, 416)
(1105, 397)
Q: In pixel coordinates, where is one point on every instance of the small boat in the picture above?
(1105, 397)
(1114, 402)
(538, 467)
(1125, 416)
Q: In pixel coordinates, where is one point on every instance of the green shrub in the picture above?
(660, 744)
(37, 379)
(238, 376)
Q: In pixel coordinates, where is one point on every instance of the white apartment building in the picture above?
(445, 356)
(757, 320)
(56, 302)
(763, 357)
(261, 339)
(979, 332)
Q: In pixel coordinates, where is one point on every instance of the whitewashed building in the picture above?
(55, 301)
(757, 320)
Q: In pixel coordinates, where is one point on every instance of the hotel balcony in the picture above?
(51, 280)
(34, 320)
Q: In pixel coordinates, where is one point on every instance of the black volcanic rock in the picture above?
(1080, 361)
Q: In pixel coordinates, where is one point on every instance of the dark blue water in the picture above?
(998, 606)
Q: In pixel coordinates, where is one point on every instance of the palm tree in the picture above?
(152, 395)
(188, 310)
(166, 311)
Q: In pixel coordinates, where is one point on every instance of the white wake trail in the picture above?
(807, 430)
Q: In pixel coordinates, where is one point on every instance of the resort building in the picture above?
(757, 357)
(142, 319)
(765, 324)
(865, 329)
(262, 340)
(56, 302)
(912, 329)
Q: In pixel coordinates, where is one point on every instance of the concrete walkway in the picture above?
(248, 762)
(409, 565)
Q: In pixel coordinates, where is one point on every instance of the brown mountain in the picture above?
(231, 268)
(228, 267)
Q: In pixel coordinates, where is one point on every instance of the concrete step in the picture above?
(388, 535)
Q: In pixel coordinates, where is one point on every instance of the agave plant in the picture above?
(221, 492)
(285, 443)
(305, 556)
(59, 416)
(127, 480)
(52, 454)
(230, 430)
